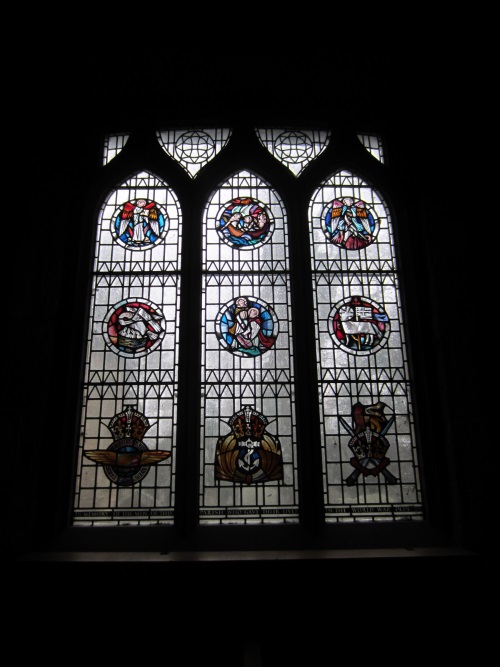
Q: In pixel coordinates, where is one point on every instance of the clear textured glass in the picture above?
(373, 144)
(248, 434)
(126, 450)
(294, 148)
(113, 144)
(370, 460)
(193, 149)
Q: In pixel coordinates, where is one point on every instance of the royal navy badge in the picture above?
(248, 454)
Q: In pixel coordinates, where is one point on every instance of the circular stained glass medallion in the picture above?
(247, 327)
(245, 223)
(358, 325)
(134, 327)
(139, 224)
(350, 224)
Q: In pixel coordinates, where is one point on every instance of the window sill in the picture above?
(238, 556)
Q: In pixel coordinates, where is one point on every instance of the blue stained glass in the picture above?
(245, 223)
(350, 224)
(247, 327)
(139, 223)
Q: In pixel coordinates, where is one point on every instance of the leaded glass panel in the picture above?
(352, 231)
(248, 430)
(294, 148)
(126, 460)
(369, 457)
(113, 144)
(193, 149)
(138, 229)
(248, 445)
(373, 144)
(246, 228)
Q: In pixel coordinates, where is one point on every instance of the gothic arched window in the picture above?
(246, 359)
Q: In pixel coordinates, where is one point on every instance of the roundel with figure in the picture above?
(134, 327)
(139, 224)
(350, 224)
(247, 326)
(245, 223)
(359, 325)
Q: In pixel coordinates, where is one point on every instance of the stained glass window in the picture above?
(373, 144)
(248, 453)
(126, 461)
(223, 249)
(113, 144)
(193, 149)
(294, 148)
(370, 463)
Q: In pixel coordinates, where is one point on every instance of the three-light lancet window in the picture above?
(245, 282)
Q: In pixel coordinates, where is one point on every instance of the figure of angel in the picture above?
(139, 223)
(349, 224)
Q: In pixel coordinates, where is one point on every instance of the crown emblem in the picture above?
(127, 460)
(248, 423)
(130, 423)
(248, 454)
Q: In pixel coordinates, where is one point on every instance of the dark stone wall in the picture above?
(71, 95)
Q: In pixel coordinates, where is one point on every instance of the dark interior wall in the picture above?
(68, 96)
(78, 94)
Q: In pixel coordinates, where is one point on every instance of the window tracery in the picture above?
(245, 393)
